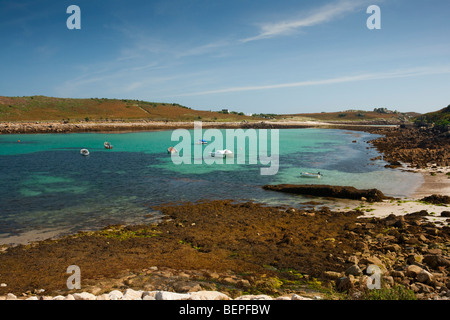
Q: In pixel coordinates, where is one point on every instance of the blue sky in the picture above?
(255, 56)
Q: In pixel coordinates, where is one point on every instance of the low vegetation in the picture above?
(42, 108)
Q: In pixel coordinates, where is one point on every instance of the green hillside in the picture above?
(439, 118)
(42, 108)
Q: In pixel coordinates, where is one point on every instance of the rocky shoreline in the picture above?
(138, 125)
(259, 251)
(416, 147)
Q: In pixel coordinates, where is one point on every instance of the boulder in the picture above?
(84, 296)
(435, 261)
(413, 270)
(131, 294)
(208, 295)
(345, 284)
(115, 295)
(354, 270)
(424, 277)
(166, 295)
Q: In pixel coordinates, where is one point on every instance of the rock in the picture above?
(445, 214)
(285, 298)
(84, 296)
(413, 270)
(211, 275)
(166, 295)
(344, 284)
(70, 297)
(424, 277)
(149, 295)
(353, 259)
(131, 294)
(183, 287)
(59, 298)
(435, 261)
(375, 261)
(397, 274)
(32, 298)
(437, 199)
(414, 258)
(243, 283)
(346, 192)
(115, 295)
(11, 296)
(254, 297)
(423, 288)
(353, 270)
(104, 296)
(208, 295)
(388, 281)
(332, 275)
(297, 297)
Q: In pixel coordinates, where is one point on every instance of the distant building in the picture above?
(225, 111)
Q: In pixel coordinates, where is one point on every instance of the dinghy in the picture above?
(171, 150)
(84, 152)
(108, 145)
(222, 153)
(311, 175)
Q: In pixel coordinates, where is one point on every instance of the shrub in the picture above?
(398, 292)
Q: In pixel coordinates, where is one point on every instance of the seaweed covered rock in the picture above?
(345, 192)
(436, 199)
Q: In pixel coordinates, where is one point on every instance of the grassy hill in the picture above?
(351, 115)
(41, 108)
(439, 118)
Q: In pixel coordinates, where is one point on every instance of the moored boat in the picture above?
(108, 145)
(84, 152)
(171, 150)
(311, 175)
(222, 153)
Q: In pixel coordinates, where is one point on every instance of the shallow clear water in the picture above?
(47, 184)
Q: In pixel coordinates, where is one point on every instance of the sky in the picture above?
(252, 56)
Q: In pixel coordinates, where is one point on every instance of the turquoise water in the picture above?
(47, 184)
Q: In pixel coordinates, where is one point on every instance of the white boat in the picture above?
(84, 152)
(222, 153)
(108, 145)
(202, 141)
(311, 175)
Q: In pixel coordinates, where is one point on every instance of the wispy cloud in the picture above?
(318, 16)
(425, 71)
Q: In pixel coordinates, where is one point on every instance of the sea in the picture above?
(48, 188)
